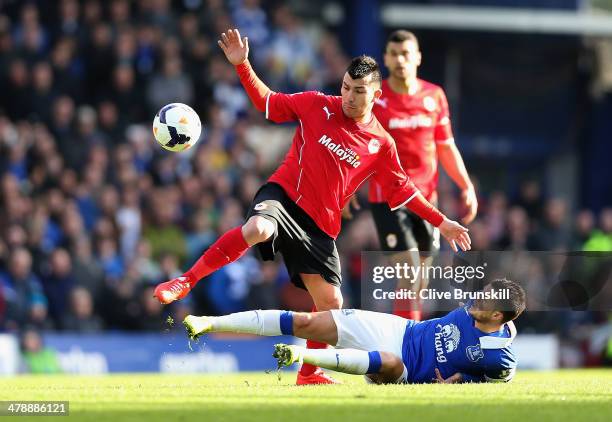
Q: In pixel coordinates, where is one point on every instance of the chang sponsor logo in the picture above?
(446, 340)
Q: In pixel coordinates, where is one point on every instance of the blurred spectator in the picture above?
(110, 260)
(81, 317)
(163, 234)
(125, 95)
(42, 94)
(171, 86)
(553, 231)
(530, 199)
(263, 292)
(584, 226)
(147, 267)
(518, 235)
(252, 21)
(129, 222)
(58, 283)
(16, 102)
(291, 57)
(228, 288)
(37, 358)
(601, 240)
(152, 317)
(86, 270)
(120, 303)
(21, 289)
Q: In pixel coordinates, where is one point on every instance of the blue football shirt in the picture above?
(453, 344)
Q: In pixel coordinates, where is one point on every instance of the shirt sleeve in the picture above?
(443, 133)
(396, 185)
(281, 108)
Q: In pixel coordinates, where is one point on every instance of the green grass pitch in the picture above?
(533, 396)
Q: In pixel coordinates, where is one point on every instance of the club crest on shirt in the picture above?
(429, 103)
(474, 353)
(374, 146)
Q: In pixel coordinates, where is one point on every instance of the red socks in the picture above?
(226, 249)
(308, 369)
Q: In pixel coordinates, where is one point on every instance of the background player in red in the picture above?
(415, 113)
(337, 146)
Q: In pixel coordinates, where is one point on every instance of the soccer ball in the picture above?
(177, 127)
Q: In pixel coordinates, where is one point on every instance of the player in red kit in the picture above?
(415, 113)
(337, 146)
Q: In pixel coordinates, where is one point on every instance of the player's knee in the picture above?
(302, 322)
(330, 301)
(258, 229)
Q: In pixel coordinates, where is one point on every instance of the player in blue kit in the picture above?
(469, 344)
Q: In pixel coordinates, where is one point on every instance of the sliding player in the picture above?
(469, 344)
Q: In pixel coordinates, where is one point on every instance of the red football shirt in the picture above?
(332, 155)
(417, 123)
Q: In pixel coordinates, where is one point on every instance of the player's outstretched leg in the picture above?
(261, 322)
(383, 367)
(228, 248)
(319, 326)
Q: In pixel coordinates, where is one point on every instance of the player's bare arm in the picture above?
(452, 162)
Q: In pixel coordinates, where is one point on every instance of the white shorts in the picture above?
(370, 331)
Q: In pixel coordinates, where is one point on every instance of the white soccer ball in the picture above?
(177, 127)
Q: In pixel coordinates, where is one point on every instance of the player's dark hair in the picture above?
(402, 35)
(362, 66)
(512, 307)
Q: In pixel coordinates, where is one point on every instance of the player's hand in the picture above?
(453, 379)
(236, 49)
(456, 235)
(352, 203)
(470, 201)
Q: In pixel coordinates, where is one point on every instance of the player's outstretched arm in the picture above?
(236, 50)
(453, 164)
(455, 234)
